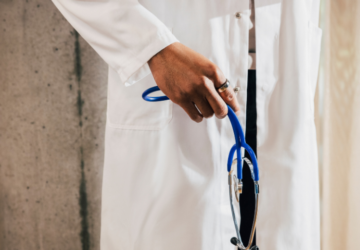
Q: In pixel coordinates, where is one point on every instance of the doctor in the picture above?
(165, 178)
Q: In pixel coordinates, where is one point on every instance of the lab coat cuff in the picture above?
(137, 68)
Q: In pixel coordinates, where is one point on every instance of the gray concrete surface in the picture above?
(52, 117)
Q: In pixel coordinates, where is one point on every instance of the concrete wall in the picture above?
(52, 117)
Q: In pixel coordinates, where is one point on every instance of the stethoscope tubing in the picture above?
(253, 165)
(238, 134)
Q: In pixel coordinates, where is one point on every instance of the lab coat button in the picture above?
(236, 90)
(238, 15)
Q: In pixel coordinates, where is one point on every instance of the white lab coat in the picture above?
(165, 179)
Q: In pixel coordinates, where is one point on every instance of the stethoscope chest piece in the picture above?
(235, 189)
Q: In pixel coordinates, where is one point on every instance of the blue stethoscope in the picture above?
(235, 182)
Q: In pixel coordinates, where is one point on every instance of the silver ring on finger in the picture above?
(223, 86)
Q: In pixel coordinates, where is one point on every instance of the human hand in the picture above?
(188, 79)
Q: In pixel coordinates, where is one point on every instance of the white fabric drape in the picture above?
(338, 123)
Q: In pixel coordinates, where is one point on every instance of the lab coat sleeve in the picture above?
(123, 32)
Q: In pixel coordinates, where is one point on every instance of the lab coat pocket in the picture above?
(127, 109)
(314, 48)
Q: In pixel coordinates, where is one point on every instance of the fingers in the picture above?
(189, 79)
(228, 95)
(209, 101)
(192, 111)
(217, 103)
(203, 105)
